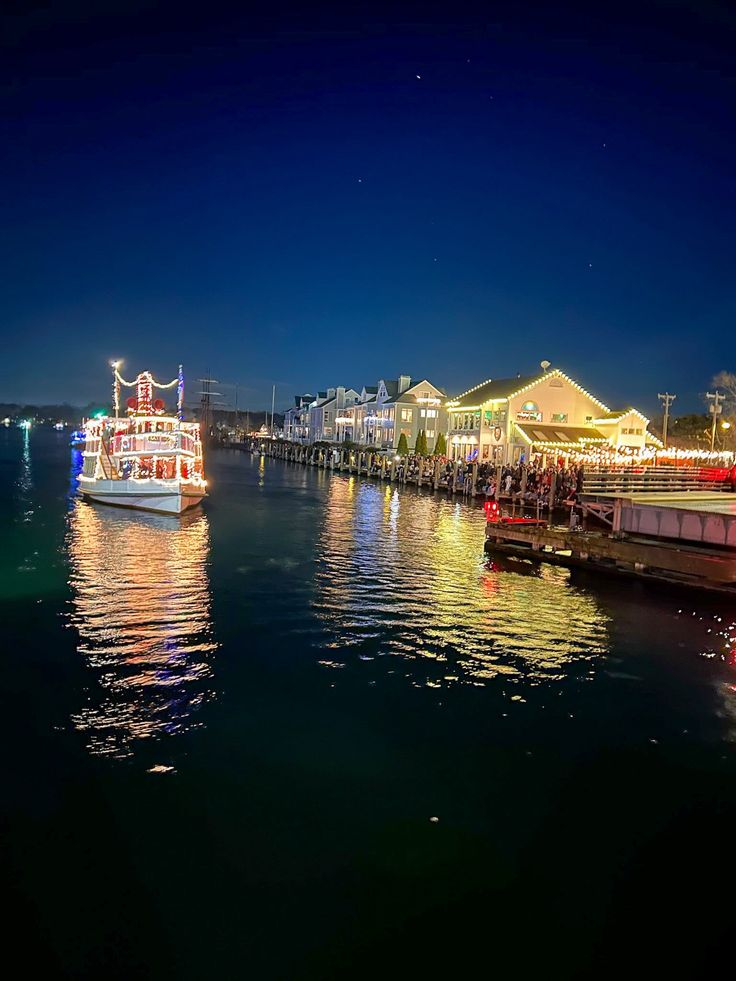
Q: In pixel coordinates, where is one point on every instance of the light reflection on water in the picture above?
(141, 606)
(404, 574)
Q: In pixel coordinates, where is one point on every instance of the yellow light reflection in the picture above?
(141, 606)
(404, 574)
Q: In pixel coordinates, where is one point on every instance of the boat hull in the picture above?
(144, 496)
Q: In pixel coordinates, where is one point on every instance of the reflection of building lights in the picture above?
(445, 610)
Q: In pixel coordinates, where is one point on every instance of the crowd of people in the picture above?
(529, 485)
(533, 485)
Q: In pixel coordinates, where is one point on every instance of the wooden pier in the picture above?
(645, 558)
(433, 474)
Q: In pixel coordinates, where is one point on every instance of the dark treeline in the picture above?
(72, 415)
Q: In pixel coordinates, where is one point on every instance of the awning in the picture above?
(562, 437)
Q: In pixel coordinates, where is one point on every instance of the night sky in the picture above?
(333, 196)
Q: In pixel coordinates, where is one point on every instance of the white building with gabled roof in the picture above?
(509, 419)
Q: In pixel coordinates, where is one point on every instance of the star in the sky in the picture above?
(419, 76)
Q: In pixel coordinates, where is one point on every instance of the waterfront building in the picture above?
(326, 409)
(296, 419)
(392, 408)
(508, 420)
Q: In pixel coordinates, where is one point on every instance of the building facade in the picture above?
(376, 416)
(509, 420)
(392, 408)
(296, 419)
(326, 409)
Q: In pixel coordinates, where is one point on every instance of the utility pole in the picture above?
(715, 408)
(273, 402)
(667, 401)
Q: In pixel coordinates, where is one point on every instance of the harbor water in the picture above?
(305, 731)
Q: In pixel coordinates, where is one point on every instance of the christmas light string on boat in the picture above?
(145, 383)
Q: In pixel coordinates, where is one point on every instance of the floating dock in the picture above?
(688, 539)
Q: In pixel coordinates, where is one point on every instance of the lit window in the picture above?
(529, 412)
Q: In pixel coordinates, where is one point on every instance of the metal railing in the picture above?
(653, 479)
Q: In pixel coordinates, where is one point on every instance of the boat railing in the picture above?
(152, 443)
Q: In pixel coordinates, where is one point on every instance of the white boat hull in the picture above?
(165, 497)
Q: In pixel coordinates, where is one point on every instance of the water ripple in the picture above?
(406, 574)
(141, 607)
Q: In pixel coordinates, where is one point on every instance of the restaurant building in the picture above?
(512, 420)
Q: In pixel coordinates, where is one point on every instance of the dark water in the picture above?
(226, 737)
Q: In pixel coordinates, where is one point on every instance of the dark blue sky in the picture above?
(278, 197)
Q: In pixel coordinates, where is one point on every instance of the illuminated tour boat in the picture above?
(147, 458)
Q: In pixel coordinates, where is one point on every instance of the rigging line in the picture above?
(154, 383)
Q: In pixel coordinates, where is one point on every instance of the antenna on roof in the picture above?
(544, 365)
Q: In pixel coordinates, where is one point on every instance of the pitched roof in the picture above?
(371, 389)
(615, 414)
(391, 386)
(425, 381)
(501, 388)
(505, 388)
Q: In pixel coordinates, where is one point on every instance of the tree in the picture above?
(440, 447)
(403, 448)
(421, 445)
(690, 430)
(725, 382)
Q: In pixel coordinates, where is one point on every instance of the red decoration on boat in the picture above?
(132, 402)
(158, 405)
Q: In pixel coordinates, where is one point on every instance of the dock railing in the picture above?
(654, 480)
(600, 485)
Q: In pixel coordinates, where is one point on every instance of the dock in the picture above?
(433, 473)
(685, 539)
